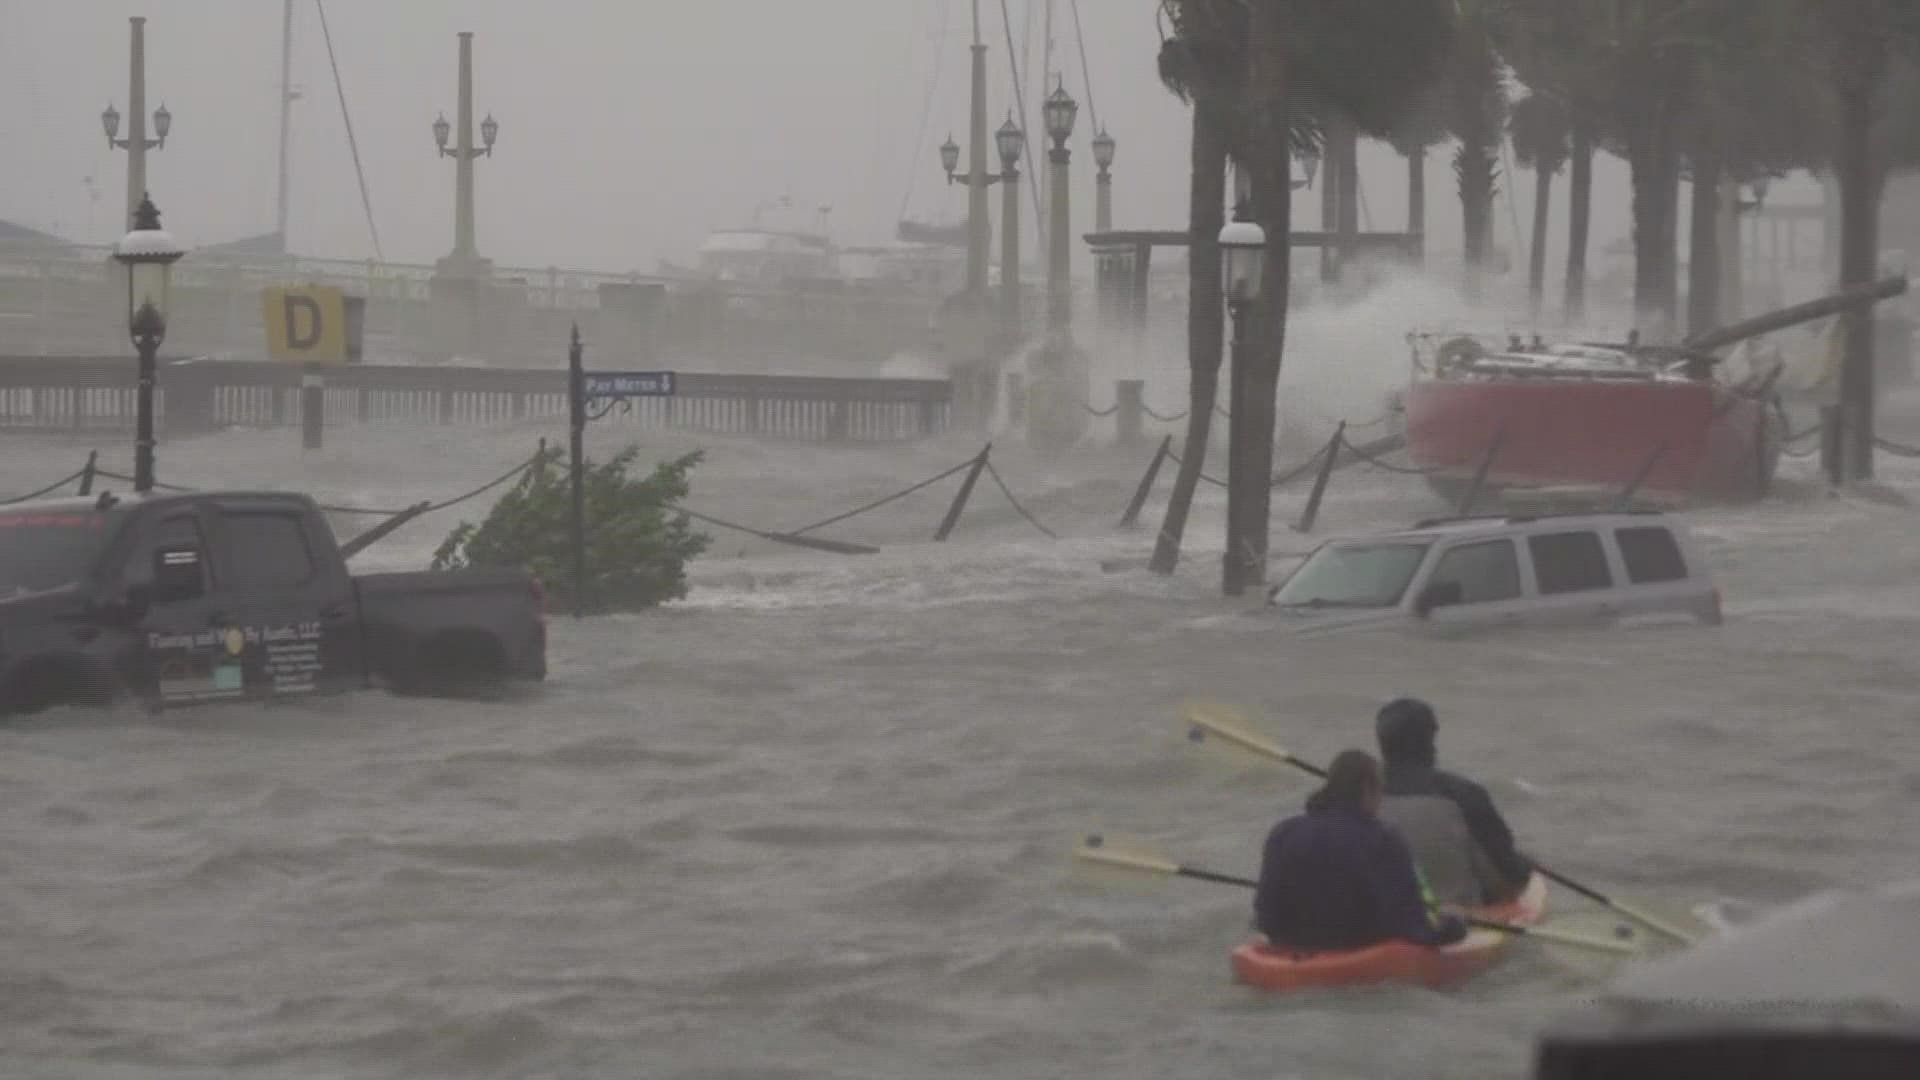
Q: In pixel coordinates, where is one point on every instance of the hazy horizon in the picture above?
(621, 143)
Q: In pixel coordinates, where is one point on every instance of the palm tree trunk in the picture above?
(1417, 202)
(1473, 167)
(1348, 140)
(1859, 254)
(1703, 244)
(1251, 471)
(1208, 194)
(1537, 258)
(1656, 173)
(1579, 218)
(1330, 189)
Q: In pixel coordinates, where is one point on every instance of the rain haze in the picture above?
(916, 698)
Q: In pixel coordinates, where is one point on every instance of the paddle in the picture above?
(1223, 722)
(1095, 849)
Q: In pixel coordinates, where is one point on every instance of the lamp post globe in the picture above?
(1009, 139)
(489, 131)
(148, 253)
(1103, 150)
(442, 130)
(1059, 112)
(162, 122)
(1243, 249)
(110, 120)
(949, 156)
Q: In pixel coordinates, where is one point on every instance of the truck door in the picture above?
(299, 626)
(178, 655)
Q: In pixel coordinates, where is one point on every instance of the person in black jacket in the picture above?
(1336, 877)
(1460, 840)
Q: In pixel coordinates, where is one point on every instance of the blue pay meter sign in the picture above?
(626, 384)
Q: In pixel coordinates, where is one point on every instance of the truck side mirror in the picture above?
(1438, 596)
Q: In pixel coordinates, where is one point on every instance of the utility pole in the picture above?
(288, 95)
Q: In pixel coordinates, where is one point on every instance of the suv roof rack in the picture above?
(1516, 519)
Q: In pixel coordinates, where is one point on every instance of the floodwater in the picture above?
(815, 821)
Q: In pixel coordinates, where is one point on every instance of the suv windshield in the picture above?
(1353, 575)
(42, 550)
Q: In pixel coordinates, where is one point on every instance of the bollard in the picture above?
(1329, 458)
(86, 474)
(1480, 474)
(966, 492)
(313, 406)
(1016, 400)
(1131, 397)
(1624, 501)
(1132, 516)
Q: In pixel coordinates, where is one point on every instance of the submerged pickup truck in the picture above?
(168, 599)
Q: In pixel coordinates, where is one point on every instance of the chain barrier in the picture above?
(48, 490)
(1897, 449)
(1175, 458)
(1375, 461)
(878, 503)
(1174, 419)
(1101, 413)
(1031, 520)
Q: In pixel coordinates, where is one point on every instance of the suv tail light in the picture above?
(539, 590)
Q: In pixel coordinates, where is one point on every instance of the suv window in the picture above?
(1569, 562)
(172, 561)
(1650, 554)
(1486, 572)
(267, 549)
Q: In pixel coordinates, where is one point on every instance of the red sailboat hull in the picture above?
(1712, 443)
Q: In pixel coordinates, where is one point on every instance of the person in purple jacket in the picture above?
(1337, 877)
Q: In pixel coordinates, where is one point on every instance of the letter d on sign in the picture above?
(293, 306)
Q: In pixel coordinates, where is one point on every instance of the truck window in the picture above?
(1486, 572)
(1650, 554)
(41, 550)
(1569, 562)
(266, 549)
(172, 561)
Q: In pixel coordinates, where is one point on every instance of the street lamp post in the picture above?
(1009, 140)
(148, 253)
(463, 152)
(1243, 258)
(136, 144)
(1103, 183)
(1059, 112)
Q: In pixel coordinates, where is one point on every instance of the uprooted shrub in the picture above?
(637, 545)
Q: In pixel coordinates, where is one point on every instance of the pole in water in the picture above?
(576, 428)
(313, 406)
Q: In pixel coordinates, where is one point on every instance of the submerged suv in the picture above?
(1506, 570)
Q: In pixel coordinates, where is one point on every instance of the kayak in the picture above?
(1257, 963)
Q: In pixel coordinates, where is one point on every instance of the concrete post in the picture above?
(1103, 202)
(137, 119)
(978, 226)
(1131, 398)
(1010, 257)
(1060, 228)
(463, 238)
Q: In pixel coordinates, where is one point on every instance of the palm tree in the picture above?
(1539, 127)
(1861, 39)
(1423, 126)
(1477, 113)
(1202, 61)
(1551, 45)
(1367, 61)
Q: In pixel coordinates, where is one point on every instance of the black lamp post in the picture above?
(148, 253)
(1059, 111)
(1243, 254)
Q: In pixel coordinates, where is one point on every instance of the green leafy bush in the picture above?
(637, 546)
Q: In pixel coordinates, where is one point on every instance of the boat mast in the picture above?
(287, 96)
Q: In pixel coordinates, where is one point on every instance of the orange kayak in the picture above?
(1258, 964)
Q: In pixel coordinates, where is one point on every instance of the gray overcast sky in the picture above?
(628, 127)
